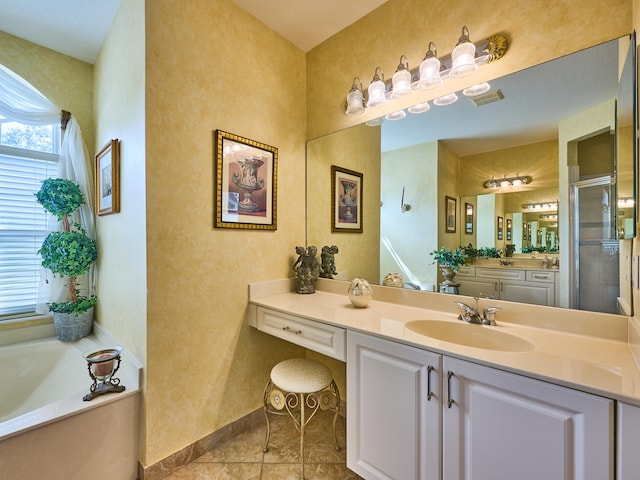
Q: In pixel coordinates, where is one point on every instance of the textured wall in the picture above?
(537, 31)
(210, 65)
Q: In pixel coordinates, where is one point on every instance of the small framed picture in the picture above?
(450, 214)
(107, 178)
(509, 229)
(245, 183)
(500, 228)
(468, 218)
(346, 200)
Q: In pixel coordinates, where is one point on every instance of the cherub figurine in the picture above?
(307, 269)
(328, 267)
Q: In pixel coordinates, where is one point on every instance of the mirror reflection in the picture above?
(540, 169)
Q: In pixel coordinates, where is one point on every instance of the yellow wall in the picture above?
(65, 81)
(537, 31)
(356, 149)
(210, 65)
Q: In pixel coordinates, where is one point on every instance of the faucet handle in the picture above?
(489, 315)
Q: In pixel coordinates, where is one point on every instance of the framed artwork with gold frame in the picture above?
(107, 178)
(245, 183)
(346, 200)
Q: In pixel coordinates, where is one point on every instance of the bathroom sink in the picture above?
(470, 335)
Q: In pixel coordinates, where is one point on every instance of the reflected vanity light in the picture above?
(508, 182)
(374, 122)
(464, 60)
(419, 108)
(626, 202)
(475, 90)
(446, 100)
(541, 206)
(399, 115)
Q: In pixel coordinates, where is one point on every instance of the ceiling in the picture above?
(78, 27)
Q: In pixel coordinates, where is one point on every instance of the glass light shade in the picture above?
(377, 96)
(478, 89)
(463, 60)
(505, 183)
(401, 83)
(446, 100)
(355, 103)
(399, 115)
(419, 108)
(429, 73)
(516, 182)
(374, 122)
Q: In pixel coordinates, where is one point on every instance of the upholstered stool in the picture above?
(300, 387)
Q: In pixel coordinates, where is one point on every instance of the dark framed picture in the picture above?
(450, 212)
(468, 218)
(524, 231)
(500, 228)
(107, 178)
(245, 183)
(346, 200)
(509, 229)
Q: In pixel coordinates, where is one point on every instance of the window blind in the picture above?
(23, 227)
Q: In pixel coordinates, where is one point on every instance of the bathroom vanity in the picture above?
(432, 397)
(526, 285)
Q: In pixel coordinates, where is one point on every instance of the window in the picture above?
(28, 155)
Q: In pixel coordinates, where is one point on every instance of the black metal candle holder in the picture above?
(102, 365)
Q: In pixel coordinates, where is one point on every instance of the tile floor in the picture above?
(242, 458)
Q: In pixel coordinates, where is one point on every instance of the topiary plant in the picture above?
(70, 252)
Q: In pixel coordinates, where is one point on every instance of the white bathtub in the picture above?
(48, 431)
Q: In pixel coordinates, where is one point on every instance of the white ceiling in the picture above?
(78, 27)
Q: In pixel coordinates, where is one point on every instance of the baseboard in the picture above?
(170, 464)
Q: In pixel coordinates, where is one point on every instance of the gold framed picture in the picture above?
(107, 178)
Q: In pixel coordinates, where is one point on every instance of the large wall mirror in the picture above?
(567, 125)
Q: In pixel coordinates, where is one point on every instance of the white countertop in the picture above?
(601, 366)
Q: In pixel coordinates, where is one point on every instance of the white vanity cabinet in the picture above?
(393, 409)
(414, 414)
(516, 285)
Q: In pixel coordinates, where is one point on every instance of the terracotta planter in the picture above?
(70, 327)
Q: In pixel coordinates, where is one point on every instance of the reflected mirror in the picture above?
(540, 168)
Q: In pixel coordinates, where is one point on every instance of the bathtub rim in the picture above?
(130, 374)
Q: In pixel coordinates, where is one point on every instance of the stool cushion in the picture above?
(301, 375)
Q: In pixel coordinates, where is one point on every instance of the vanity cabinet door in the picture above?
(393, 410)
(537, 293)
(498, 425)
(476, 287)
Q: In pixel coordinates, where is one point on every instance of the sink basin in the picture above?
(470, 335)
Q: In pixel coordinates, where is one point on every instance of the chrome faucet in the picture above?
(472, 315)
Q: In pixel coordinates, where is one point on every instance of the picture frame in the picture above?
(468, 219)
(246, 175)
(500, 227)
(346, 200)
(450, 213)
(509, 229)
(107, 178)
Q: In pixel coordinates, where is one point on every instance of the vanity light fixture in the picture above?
(626, 202)
(419, 108)
(430, 69)
(401, 80)
(463, 57)
(377, 90)
(508, 182)
(475, 90)
(374, 122)
(355, 99)
(399, 115)
(464, 60)
(541, 206)
(446, 100)
(549, 216)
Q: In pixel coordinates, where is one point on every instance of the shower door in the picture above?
(596, 249)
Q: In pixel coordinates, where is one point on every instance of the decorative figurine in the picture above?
(328, 267)
(307, 269)
(393, 280)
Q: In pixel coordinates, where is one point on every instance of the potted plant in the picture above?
(68, 253)
(449, 261)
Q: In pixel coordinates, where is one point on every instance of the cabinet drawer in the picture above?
(534, 276)
(316, 336)
(467, 271)
(500, 273)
